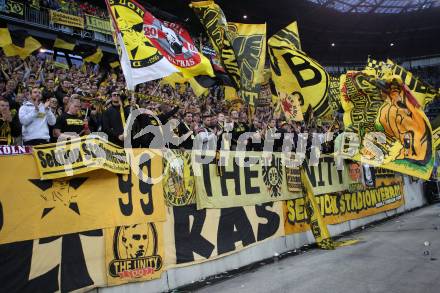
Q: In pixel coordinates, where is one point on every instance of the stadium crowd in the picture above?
(40, 103)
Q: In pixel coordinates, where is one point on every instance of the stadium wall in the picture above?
(178, 277)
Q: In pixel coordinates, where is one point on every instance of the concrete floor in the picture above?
(391, 257)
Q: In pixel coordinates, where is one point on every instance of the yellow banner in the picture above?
(214, 21)
(344, 206)
(34, 208)
(79, 155)
(408, 148)
(325, 177)
(194, 236)
(66, 263)
(241, 181)
(134, 253)
(295, 73)
(98, 24)
(316, 221)
(249, 43)
(66, 19)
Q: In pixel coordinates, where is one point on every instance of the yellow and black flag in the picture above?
(375, 65)
(64, 43)
(294, 72)
(385, 105)
(5, 36)
(435, 124)
(422, 91)
(90, 54)
(115, 64)
(249, 43)
(213, 20)
(22, 44)
(150, 48)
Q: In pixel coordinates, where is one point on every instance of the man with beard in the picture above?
(49, 90)
(184, 128)
(206, 132)
(36, 118)
(113, 120)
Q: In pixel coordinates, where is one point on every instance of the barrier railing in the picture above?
(41, 18)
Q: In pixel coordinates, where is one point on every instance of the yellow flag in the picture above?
(95, 57)
(423, 92)
(249, 43)
(317, 224)
(214, 21)
(64, 43)
(388, 108)
(197, 88)
(173, 79)
(230, 93)
(30, 45)
(115, 64)
(294, 72)
(5, 37)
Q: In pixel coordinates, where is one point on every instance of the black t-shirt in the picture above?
(238, 129)
(70, 123)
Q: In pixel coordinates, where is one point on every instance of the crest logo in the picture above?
(273, 176)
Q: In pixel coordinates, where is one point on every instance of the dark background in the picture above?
(356, 35)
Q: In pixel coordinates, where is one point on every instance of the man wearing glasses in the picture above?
(113, 120)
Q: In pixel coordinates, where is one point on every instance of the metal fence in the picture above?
(41, 19)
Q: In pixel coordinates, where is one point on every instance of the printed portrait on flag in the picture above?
(151, 48)
(387, 106)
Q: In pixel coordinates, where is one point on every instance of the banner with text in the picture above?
(134, 253)
(31, 208)
(344, 206)
(98, 24)
(66, 263)
(14, 7)
(241, 181)
(79, 155)
(325, 178)
(66, 19)
(194, 236)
